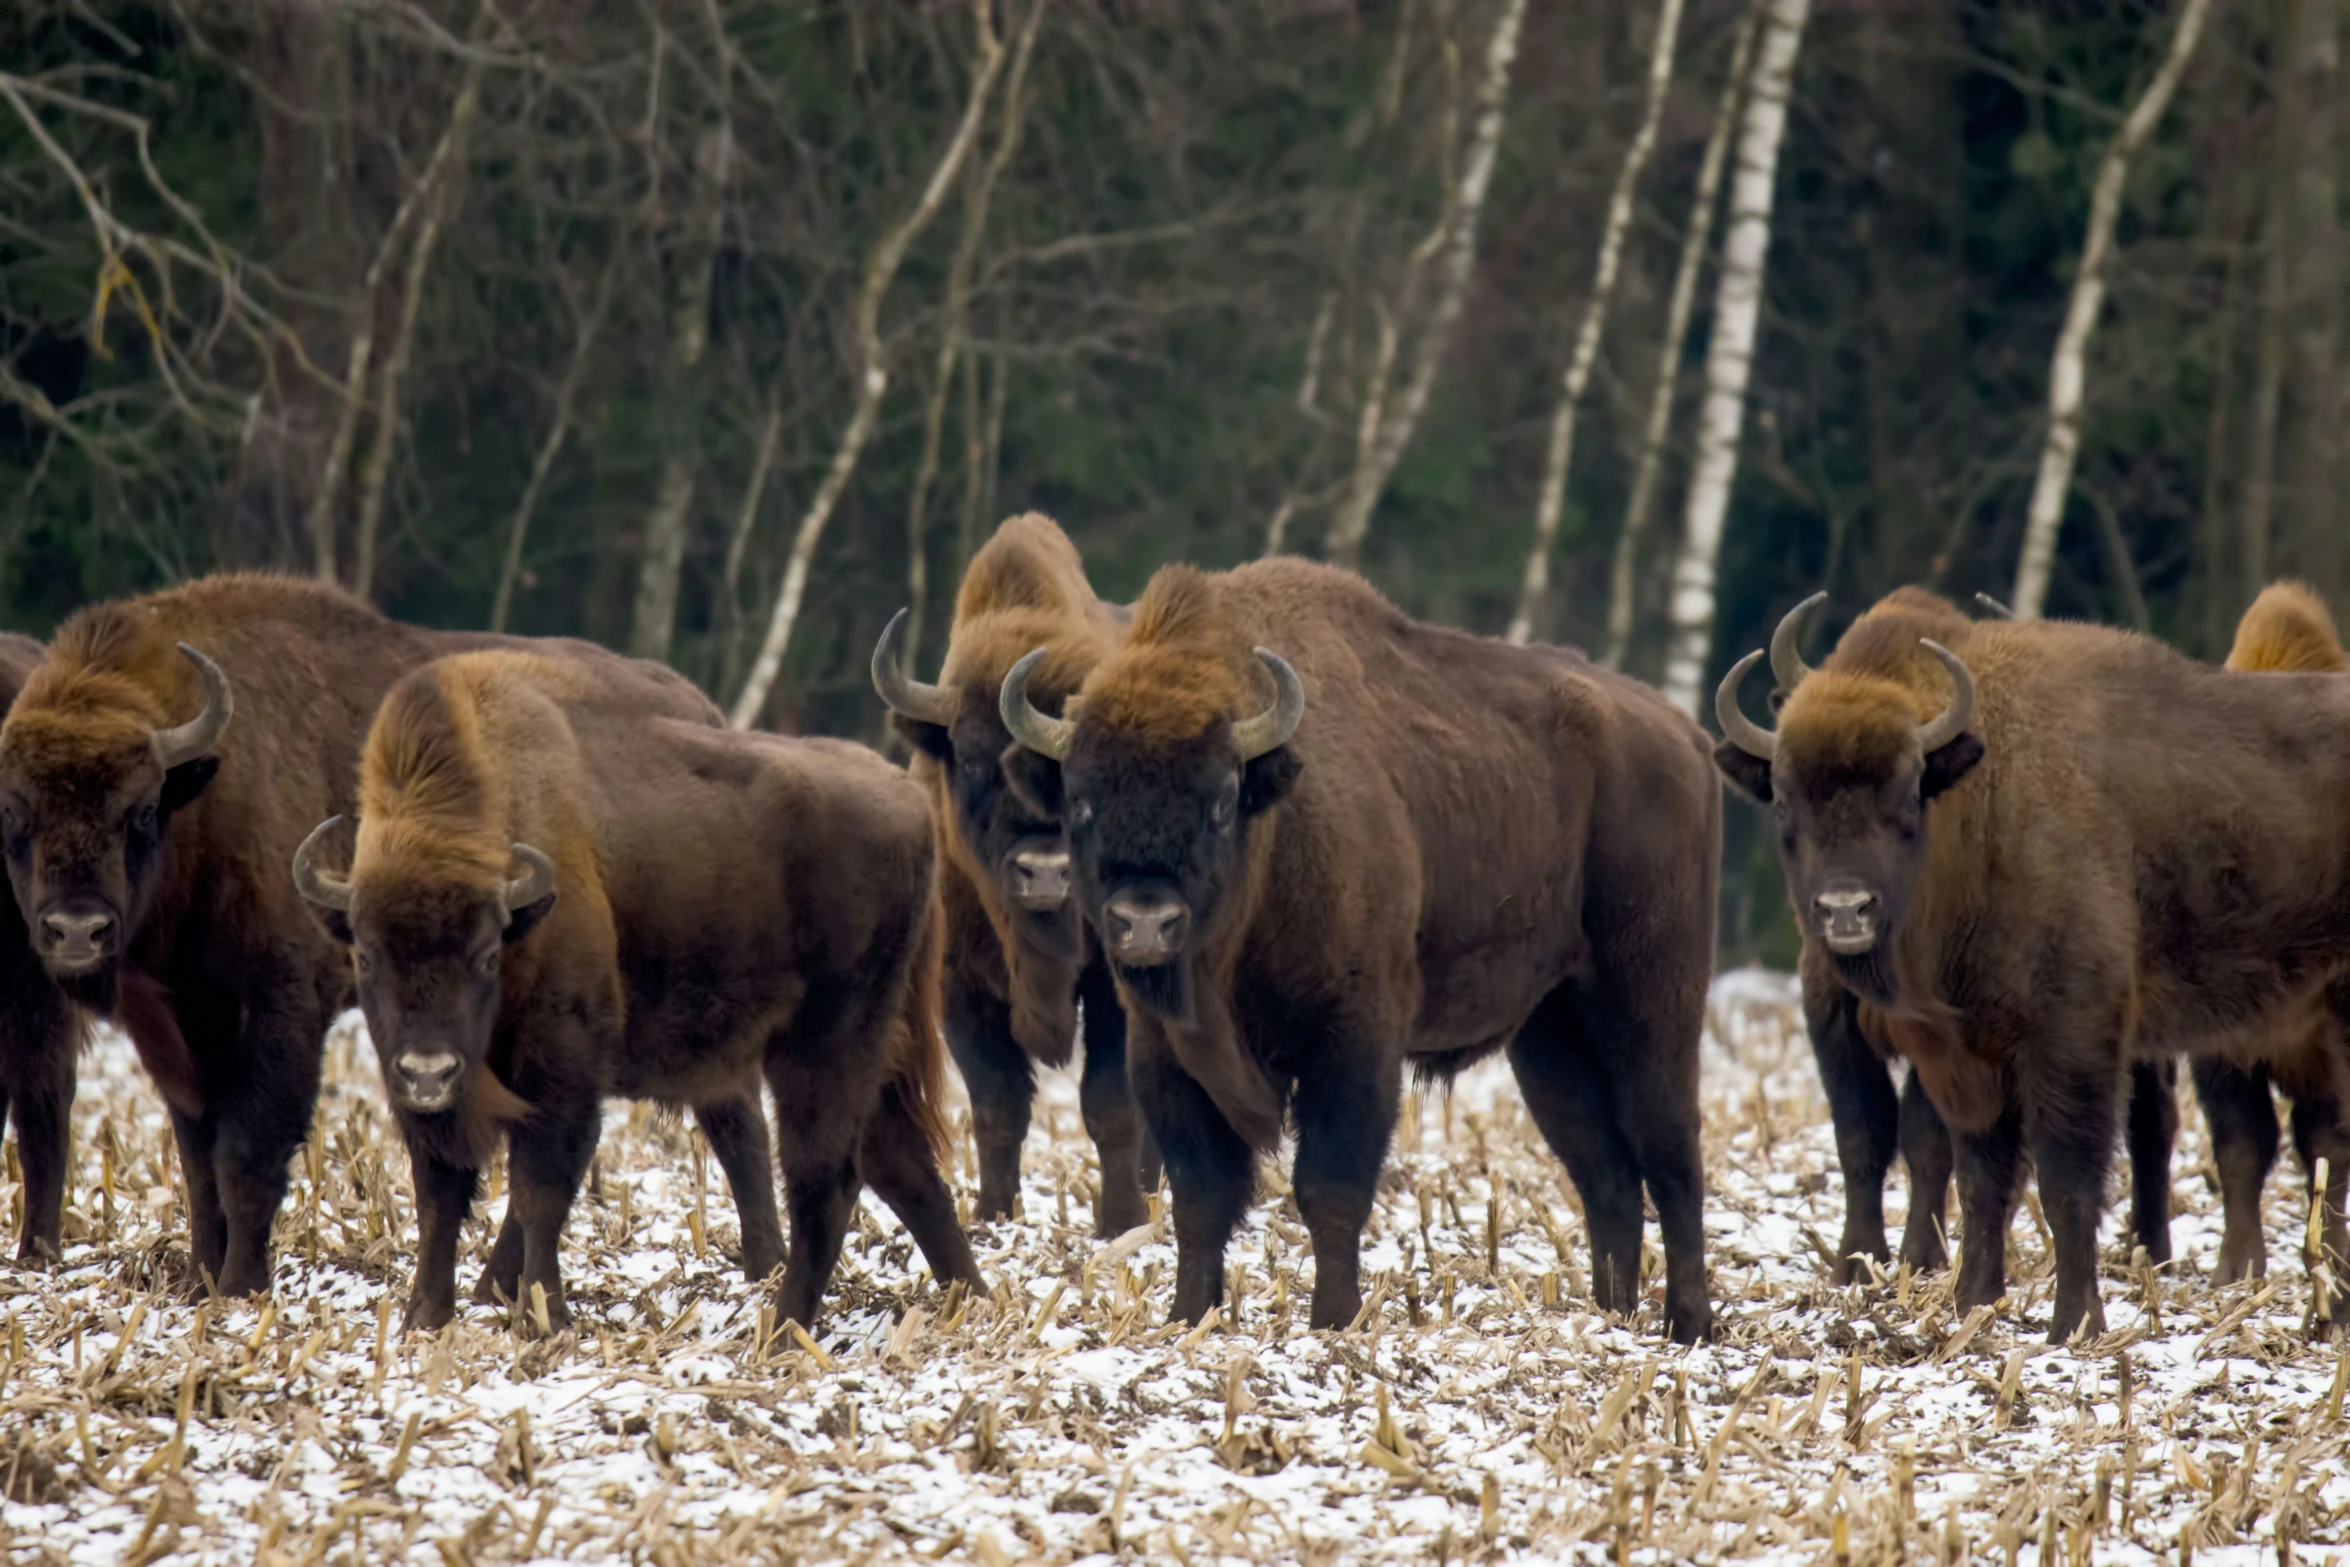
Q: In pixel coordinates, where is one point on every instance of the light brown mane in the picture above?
(1028, 564)
(428, 793)
(108, 661)
(1180, 669)
(1855, 712)
(2288, 628)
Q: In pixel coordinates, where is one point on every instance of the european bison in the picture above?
(2286, 630)
(567, 888)
(2044, 850)
(1019, 960)
(41, 1034)
(147, 838)
(1853, 1046)
(1389, 841)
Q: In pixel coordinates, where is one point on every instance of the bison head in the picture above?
(1158, 824)
(87, 792)
(1015, 839)
(1848, 776)
(427, 941)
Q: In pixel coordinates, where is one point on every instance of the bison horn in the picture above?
(1044, 735)
(903, 693)
(1271, 729)
(185, 742)
(1939, 732)
(328, 892)
(1992, 607)
(1787, 665)
(536, 881)
(1740, 730)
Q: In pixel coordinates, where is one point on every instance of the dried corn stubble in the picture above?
(1057, 1414)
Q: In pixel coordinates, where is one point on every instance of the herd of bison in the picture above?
(1266, 839)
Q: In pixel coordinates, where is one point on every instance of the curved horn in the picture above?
(1939, 732)
(328, 892)
(1787, 665)
(1271, 729)
(1740, 730)
(185, 742)
(535, 882)
(903, 693)
(1041, 734)
(1992, 607)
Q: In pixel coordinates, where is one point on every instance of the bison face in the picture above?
(1847, 779)
(85, 804)
(1158, 832)
(1013, 834)
(427, 953)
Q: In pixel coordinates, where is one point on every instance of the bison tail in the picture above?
(2287, 630)
(918, 1074)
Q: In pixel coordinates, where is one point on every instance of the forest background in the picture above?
(720, 329)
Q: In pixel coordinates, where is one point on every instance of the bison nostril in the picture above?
(1041, 879)
(1146, 930)
(75, 932)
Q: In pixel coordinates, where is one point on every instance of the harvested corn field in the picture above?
(1477, 1411)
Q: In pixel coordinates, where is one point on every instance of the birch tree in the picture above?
(1390, 418)
(1729, 360)
(2066, 371)
(1560, 455)
(881, 267)
(1696, 241)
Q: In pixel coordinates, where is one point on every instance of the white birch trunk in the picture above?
(2066, 370)
(1623, 569)
(873, 380)
(1397, 422)
(1729, 359)
(1552, 500)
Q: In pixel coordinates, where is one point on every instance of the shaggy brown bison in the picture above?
(40, 1035)
(147, 836)
(2287, 630)
(1854, 1048)
(565, 889)
(1388, 842)
(2043, 850)
(1019, 960)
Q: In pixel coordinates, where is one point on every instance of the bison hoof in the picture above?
(42, 1253)
(429, 1313)
(1689, 1324)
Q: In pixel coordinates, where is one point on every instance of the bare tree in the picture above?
(591, 321)
(2066, 371)
(1560, 455)
(2310, 458)
(1389, 419)
(1729, 359)
(873, 372)
(1696, 240)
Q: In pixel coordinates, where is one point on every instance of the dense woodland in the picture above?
(710, 328)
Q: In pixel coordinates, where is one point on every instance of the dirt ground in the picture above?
(1480, 1411)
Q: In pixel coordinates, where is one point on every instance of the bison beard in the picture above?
(534, 935)
(1301, 893)
(1017, 964)
(2122, 854)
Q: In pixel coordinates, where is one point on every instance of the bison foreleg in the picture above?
(1001, 1080)
(207, 1222)
(1345, 1107)
(2242, 1116)
(2072, 1116)
(2321, 1132)
(1211, 1171)
(1107, 1100)
(1867, 1117)
(549, 1157)
(1925, 1149)
(444, 1196)
(737, 1130)
(39, 1101)
(896, 1160)
(2154, 1130)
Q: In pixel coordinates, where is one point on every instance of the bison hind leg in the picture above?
(2242, 1118)
(737, 1130)
(2153, 1132)
(896, 1161)
(1571, 1100)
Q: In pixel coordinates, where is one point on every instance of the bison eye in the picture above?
(487, 963)
(1227, 803)
(365, 964)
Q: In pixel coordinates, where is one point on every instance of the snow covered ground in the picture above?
(1480, 1412)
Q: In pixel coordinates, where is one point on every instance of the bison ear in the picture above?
(1946, 765)
(930, 739)
(524, 920)
(1267, 780)
(334, 922)
(183, 783)
(1035, 780)
(1747, 773)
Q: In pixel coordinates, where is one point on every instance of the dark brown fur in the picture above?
(1014, 976)
(222, 981)
(2125, 857)
(727, 907)
(41, 1035)
(1464, 848)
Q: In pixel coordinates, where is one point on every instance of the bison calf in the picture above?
(561, 895)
